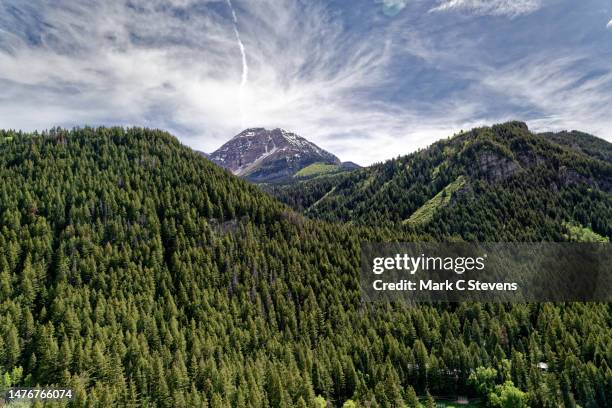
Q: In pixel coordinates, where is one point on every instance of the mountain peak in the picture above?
(261, 154)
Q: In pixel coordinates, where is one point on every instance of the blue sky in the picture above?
(365, 79)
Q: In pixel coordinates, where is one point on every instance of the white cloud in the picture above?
(105, 62)
(177, 65)
(609, 25)
(393, 7)
(245, 66)
(559, 90)
(511, 8)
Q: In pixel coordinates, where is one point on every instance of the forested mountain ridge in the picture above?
(589, 144)
(140, 274)
(504, 183)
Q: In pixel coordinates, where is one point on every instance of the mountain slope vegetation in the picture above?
(518, 186)
(138, 273)
(589, 144)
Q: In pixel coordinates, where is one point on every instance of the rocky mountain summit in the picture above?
(262, 155)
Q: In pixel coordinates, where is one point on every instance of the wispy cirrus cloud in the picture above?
(511, 8)
(557, 92)
(355, 81)
(392, 7)
(181, 65)
(245, 66)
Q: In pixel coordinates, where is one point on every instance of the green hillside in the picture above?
(518, 186)
(317, 169)
(138, 273)
(425, 214)
(583, 142)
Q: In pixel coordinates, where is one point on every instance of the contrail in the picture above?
(245, 65)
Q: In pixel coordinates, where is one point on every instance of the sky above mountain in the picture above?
(365, 79)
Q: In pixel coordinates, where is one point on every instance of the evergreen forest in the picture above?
(139, 274)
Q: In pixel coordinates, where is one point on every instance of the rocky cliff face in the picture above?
(495, 167)
(262, 155)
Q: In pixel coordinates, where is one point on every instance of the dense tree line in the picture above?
(139, 274)
(521, 187)
(591, 145)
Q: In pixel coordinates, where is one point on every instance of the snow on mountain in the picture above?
(263, 155)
